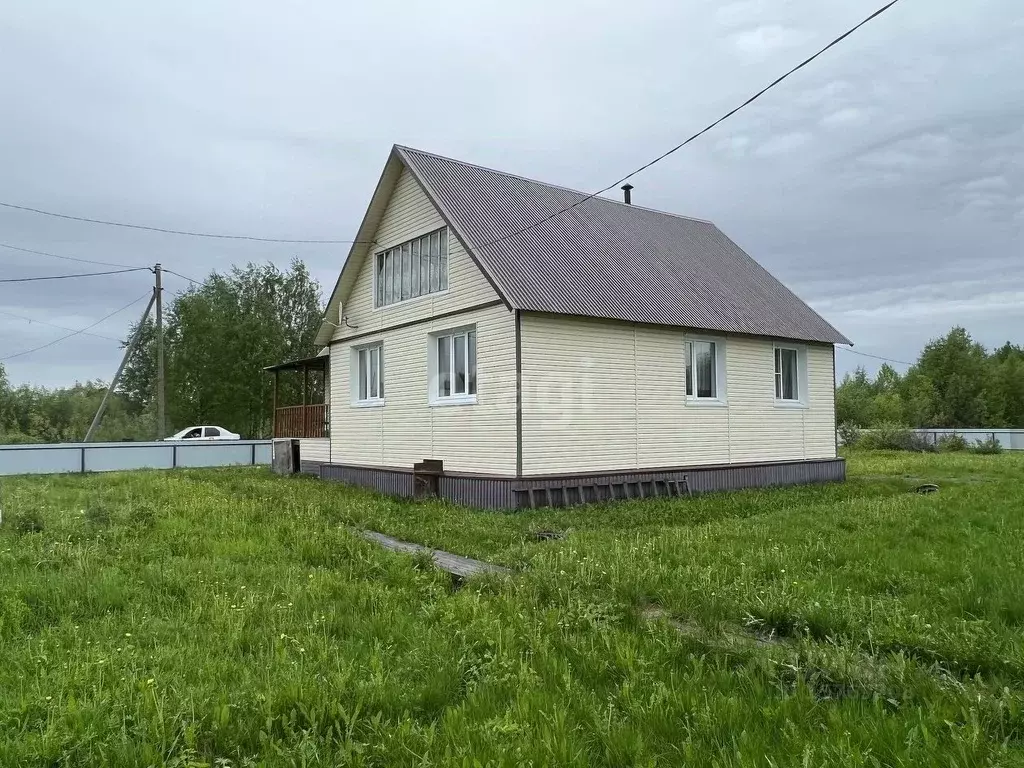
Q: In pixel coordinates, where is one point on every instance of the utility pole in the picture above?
(161, 384)
(117, 376)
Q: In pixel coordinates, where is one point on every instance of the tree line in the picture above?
(218, 336)
(955, 382)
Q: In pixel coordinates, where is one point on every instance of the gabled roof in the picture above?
(603, 258)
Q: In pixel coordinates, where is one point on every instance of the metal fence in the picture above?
(1009, 439)
(58, 458)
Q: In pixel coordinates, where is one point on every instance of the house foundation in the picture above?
(512, 493)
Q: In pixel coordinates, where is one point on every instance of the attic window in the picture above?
(413, 269)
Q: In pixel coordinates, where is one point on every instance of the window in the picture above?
(212, 432)
(788, 375)
(453, 362)
(369, 375)
(193, 434)
(703, 370)
(412, 269)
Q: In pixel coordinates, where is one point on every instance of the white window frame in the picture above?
(395, 257)
(719, 399)
(800, 401)
(372, 400)
(434, 398)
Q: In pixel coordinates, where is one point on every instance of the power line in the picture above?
(185, 232)
(701, 132)
(147, 294)
(584, 199)
(876, 357)
(54, 325)
(183, 277)
(68, 277)
(66, 258)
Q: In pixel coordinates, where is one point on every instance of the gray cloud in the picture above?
(885, 183)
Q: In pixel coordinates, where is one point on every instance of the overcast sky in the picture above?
(884, 183)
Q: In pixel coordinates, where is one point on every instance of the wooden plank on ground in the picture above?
(463, 567)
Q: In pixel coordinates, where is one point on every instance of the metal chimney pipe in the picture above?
(625, 193)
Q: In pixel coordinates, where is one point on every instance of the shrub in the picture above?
(849, 434)
(988, 445)
(894, 437)
(951, 443)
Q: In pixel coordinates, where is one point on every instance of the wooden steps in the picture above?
(591, 493)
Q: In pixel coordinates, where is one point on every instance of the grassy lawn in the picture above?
(189, 617)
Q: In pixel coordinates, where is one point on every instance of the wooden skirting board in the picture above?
(495, 492)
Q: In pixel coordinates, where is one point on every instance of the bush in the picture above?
(894, 437)
(849, 434)
(988, 445)
(951, 443)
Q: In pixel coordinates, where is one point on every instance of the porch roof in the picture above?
(319, 362)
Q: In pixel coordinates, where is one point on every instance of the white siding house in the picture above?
(520, 363)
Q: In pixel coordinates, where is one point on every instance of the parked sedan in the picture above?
(204, 433)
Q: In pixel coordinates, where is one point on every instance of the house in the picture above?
(610, 351)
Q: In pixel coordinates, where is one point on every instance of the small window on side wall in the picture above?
(705, 371)
(369, 375)
(790, 375)
(453, 367)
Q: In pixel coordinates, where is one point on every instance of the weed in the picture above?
(951, 443)
(990, 445)
(28, 520)
(98, 515)
(894, 437)
(230, 617)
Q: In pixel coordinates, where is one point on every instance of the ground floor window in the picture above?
(703, 374)
(790, 375)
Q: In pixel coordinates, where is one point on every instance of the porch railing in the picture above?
(308, 421)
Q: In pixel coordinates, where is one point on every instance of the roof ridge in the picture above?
(553, 186)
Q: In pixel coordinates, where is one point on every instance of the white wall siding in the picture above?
(468, 438)
(820, 418)
(604, 395)
(757, 428)
(410, 214)
(315, 449)
(670, 432)
(579, 404)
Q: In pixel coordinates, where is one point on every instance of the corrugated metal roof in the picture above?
(607, 259)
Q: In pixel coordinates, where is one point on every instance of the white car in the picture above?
(204, 433)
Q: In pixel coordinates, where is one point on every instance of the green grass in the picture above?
(189, 617)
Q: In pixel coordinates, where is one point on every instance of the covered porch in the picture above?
(305, 381)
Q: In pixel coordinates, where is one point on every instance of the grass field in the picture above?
(229, 617)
